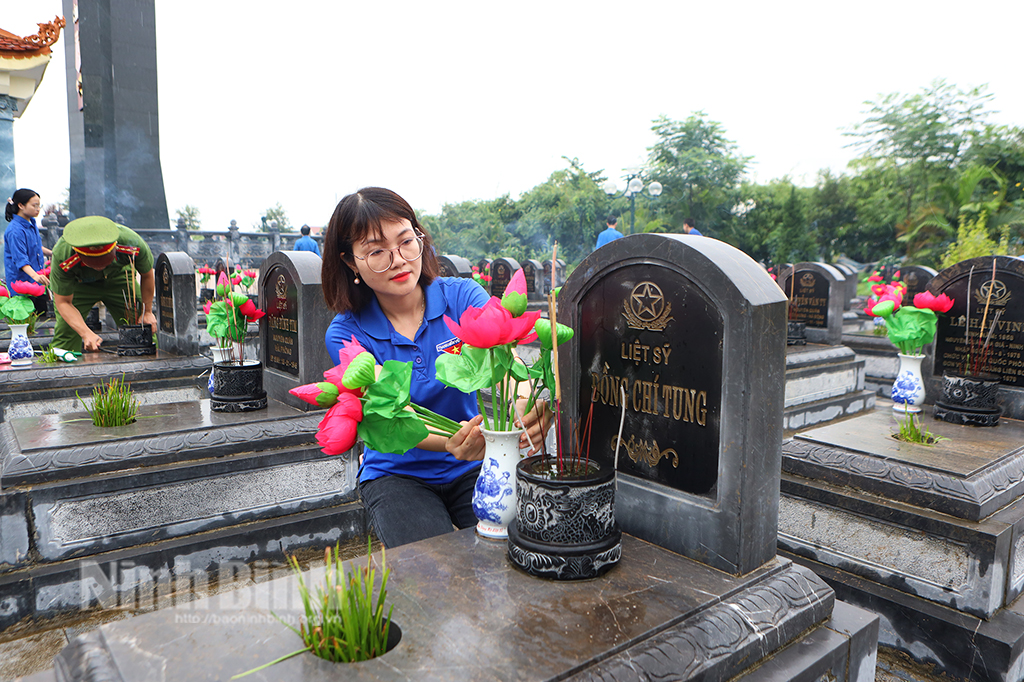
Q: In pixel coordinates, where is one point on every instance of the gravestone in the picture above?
(484, 266)
(220, 266)
(1004, 296)
(177, 321)
(851, 283)
(534, 273)
(817, 300)
(454, 266)
(292, 333)
(502, 270)
(917, 278)
(694, 331)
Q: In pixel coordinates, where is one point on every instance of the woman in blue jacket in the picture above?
(24, 252)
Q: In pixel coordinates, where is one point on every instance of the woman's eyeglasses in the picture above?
(381, 260)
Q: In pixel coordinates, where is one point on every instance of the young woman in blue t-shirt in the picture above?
(380, 275)
(24, 252)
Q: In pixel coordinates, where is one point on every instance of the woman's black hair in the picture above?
(20, 198)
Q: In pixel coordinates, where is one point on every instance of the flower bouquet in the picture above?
(20, 314)
(228, 317)
(371, 402)
(482, 278)
(205, 273)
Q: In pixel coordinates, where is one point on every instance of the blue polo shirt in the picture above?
(22, 246)
(445, 296)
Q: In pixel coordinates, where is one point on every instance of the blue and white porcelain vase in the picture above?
(908, 389)
(494, 498)
(20, 350)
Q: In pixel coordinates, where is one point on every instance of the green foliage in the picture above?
(275, 212)
(189, 214)
(113, 403)
(344, 622)
(972, 241)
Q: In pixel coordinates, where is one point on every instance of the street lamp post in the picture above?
(634, 186)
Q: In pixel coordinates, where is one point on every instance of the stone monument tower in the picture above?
(112, 112)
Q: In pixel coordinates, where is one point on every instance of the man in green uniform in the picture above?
(93, 261)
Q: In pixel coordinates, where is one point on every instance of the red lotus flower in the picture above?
(3, 292)
(28, 288)
(236, 280)
(321, 394)
(939, 304)
(895, 296)
(337, 433)
(249, 273)
(44, 271)
(251, 312)
(349, 350)
(879, 289)
(492, 326)
(206, 308)
(875, 277)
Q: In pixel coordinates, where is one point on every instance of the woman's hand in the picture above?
(536, 423)
(468, 443)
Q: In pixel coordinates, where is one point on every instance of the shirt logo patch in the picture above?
(452, 345)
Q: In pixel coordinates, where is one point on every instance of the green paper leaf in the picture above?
(883, 309)
(471, 370)
(328, 394)
(514, 302)
(543, 329)
(238, 299)
(911, 328)
(17, 307)
(396, 434)
(359, 372)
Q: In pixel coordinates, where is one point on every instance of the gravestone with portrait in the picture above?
(292, 332)
(177, 321)
(502, 270)
(917, 278)
(454, 266)
(816, 299)
(533, 271)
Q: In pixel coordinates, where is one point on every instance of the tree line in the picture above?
(933, 181)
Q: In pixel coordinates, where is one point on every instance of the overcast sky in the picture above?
(302, 102)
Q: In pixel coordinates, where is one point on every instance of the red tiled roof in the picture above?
(30, 46)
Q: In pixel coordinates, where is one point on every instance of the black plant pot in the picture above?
(969, 400)
(564, 529)
(238, 387)
(796, 333)
(135, 340)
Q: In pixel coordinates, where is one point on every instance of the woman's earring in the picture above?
(356, 280)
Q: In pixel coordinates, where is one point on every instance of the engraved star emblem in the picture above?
(647, 299)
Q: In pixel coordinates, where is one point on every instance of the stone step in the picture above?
(820, 373)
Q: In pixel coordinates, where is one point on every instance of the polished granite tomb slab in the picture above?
(50, 388)
(823, 383)
(916, 533)
(466, 614)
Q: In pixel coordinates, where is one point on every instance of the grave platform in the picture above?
(919, 534)
(466, 614)
(181, 490)
(823, 383)
(50, 388)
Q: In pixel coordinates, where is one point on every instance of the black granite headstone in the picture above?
(177, 320)
(1006, 347)
(454, 266)
(534, 273)
(220, 266)
(851, 283)
(816, 300)
(693, 330)
(502, 270)
(292, 333)
(917, 278)
(484, 268)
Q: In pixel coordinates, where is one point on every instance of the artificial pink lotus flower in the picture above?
(337, 432)
(250, 273)
(939, 304)
(44, 271)
(236, 281)
(493, 325)
(28, 288)
(3, 292)
(349, 350)
(206, 307)
(879, 289)
(251, 312)
(875, 277)
(896, 275)
(321, 394)
(223, 285)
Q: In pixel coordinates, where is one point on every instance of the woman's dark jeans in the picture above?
(403, 509)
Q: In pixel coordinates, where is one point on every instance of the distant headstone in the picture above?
(534, 273)
(484, 265)
(502, 270)
(454, 266)
(917, 278)
(1004, 296)
(559, 274)
(851, 283)
(220, 266)
(693, 331)
(816, 300)
(177, 321)
(292, 333)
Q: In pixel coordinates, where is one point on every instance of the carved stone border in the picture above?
(61, 463)
(723, 640)
(971, 498)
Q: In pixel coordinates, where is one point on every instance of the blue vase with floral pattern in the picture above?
(20, 351)
(494, 497)
(908, 388)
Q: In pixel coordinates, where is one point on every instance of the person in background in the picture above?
(24, 253)
(93, 262)
(690, 227)
(381, 277)
(305, 242)
(610, 234)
